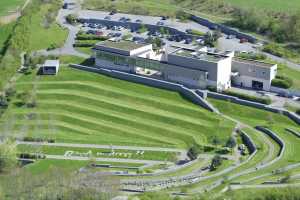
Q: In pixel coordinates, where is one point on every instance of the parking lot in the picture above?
(224, 42)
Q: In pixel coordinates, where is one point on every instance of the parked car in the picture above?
(112, 12)
(122, 19)
(160, 23)
(117, 35)
(230, 37)
(164, 17)
(188, 41)
(138, 21)
(243, 40)
(99, 33)
(189, 31)
(93, 32)
(107, 18)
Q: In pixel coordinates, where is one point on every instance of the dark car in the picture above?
(117, 35)
(138, 21)
(107, 18)
(65, 6)
(188, 41)
(112, 12)
(164, 18)
(160, 23)
(122, 19)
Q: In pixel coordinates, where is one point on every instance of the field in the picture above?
(82, 107)
(269, 5)
(8, 6)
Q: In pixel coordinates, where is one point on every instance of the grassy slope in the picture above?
(6, 6)
(41, 37)
(275, 122)
(83, 107)
(272, 5)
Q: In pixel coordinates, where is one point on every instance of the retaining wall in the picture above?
(248, 142)
(187, 93)
(237, 100)
(278, 140)
(225, 29)
(285, 92)
(293, 132)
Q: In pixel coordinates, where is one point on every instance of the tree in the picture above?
(231, 142)
(194, 151)
(216, 162)
(71, 19)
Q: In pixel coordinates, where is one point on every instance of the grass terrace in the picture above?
(10, 6)
(81, 107)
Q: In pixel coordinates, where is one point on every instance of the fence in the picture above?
(187, 93)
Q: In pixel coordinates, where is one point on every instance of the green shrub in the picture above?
(196, 32)
(298, 112)
(85, 43)
(282, 82)
(91, 37)
(249, 98)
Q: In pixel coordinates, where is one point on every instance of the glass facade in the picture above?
(129, 61)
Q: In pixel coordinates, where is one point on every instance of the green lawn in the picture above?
(82, 107)
(8, 6)
(41, 36)
(269, 5)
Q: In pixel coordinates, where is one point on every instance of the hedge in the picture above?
(282, 82)
(86, 43)
(91, 37)
(266, 101)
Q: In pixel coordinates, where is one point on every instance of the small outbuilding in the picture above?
(50, 67)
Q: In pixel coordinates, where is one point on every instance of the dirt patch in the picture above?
(10, 18)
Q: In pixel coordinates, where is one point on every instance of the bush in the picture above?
(71, 19)
(196, 32)
(266, 101)
(280, 83)
(86, 43)
(31, 139)
(298, 112)
(194, 151)
(91, 37)
(31, 156)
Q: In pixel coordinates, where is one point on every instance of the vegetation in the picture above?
(82, 107)
(266, 101)
(7, 7)
(282, 82)
(71, 19)
(35, 30)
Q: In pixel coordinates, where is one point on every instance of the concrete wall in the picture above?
(236, 100)
(189, 94)
(248, 142)
(225, 29)
(285, 92)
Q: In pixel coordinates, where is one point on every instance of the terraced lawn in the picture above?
(82, 107)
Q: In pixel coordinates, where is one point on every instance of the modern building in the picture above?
(253, 74)
(50, 67)
(195, 68)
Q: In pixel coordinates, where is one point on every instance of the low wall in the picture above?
(275, 138)
(248, 142)
(285, 92)
(225, 29)
(237, 100)
(293, 132)
(187, 93)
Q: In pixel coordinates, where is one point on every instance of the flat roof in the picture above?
(123, 45)
(189, 53)
(51, 63)
(254, 62)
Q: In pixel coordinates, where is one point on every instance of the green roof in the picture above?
(198, 55)
(122, 45)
